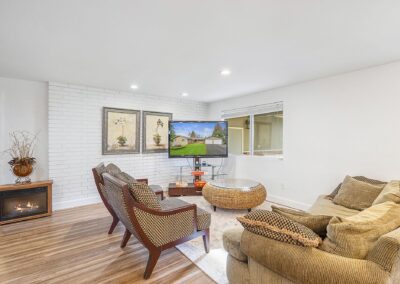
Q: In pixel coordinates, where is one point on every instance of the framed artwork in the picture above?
(121, 131)
(155, 131)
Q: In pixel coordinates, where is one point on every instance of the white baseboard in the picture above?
(94, 200)
(75, 203)
(288, 202)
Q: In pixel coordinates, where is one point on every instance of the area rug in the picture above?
(213, 263)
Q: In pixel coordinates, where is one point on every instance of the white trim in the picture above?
(75, 203)
(252, 110)
(251, 142)
(241, 129)
(288, 202)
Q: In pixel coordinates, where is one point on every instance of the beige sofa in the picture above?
(257, 259)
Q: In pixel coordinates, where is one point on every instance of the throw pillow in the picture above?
(317, 223)
(143, 194)
(112, 169)
(117, 173)
(125, 177)
(101, 169)
(391, 192)
(277, 227)
(357, 194)
(354, 236)
(360, 178)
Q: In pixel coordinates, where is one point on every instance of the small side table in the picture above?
(190, 189)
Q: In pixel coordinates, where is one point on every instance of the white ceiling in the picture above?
(172, 46)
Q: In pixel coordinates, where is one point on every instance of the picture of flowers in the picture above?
(121, 131)
(155, 131)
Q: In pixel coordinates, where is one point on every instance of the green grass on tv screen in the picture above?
(189, 150)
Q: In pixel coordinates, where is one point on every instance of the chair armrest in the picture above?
(386, 251)
(309, 265)
(163, 227)
(143, 180)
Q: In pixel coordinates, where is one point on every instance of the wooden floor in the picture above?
(73, 246)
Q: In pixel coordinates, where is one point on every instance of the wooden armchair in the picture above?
(98, 179)
(157, 230)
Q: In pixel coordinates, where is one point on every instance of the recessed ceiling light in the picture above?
(225, 72)
(134, 87)
(185, 94)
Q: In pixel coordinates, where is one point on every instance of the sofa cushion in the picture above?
(386, 250)
(231, 240)
(143, 194)
(277, 227)
(354, 236)
(317, 223)
(309, 265)
(391, 192)
(203, 217)
(360, 178)
(357, 194)
(325, 206)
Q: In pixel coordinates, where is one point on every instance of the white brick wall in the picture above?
(75, 135)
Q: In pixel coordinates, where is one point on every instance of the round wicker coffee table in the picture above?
(234, 193)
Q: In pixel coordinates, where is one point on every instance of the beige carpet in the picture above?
(213, 263)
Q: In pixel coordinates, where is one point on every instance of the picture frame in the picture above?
(121, 131)
(155, 131)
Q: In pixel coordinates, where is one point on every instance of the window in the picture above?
(268, 133)
(255, 130)
(239, 135)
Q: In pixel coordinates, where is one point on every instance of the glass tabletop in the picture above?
(244, 184)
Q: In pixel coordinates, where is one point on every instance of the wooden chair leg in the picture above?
(126, 238)
(151, 262)
(113, 225)
(206, 240)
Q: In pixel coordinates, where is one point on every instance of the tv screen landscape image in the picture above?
(198, 139)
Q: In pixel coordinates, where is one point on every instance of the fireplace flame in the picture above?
(28, 206)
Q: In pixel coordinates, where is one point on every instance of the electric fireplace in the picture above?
(26, 201)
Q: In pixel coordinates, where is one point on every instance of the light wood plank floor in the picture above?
(73, 246)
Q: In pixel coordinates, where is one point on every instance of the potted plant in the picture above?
(157, 136)
(21, 152)
(122, 140)
(157, 139)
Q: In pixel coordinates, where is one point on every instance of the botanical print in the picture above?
(155, 131)
(121, 131)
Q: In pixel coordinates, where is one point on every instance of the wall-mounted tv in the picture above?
(198, 139)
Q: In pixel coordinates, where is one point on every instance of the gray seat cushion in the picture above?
(155, 187)
(203, 217)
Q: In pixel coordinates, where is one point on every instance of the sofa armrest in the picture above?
(231, 240)
(386, 251)
(310, 265)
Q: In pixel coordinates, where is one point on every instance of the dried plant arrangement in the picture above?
(22, 154)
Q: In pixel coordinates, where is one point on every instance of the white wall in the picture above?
(75, 135)
(347, 124)
(23, 106)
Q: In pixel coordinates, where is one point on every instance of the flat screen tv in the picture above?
(198, 139)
